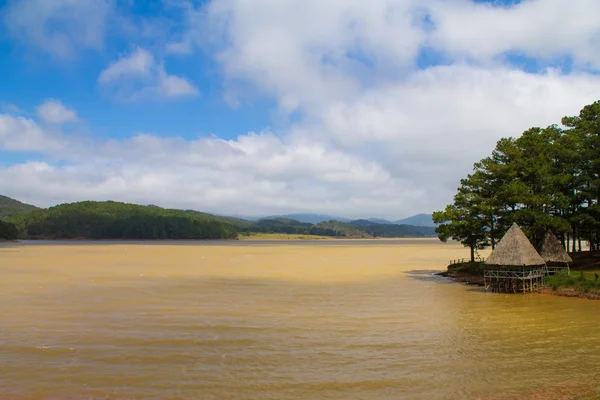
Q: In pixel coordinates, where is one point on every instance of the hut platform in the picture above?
(526, 280)
(553, 268)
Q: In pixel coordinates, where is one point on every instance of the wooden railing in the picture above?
(466, 260)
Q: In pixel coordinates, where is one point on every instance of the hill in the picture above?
(11, 207)
(363, 222)
(380, 221)
(235, 221)
(418, 220)
(115, 220)
(338, 228)
(399, 231)
(309, 218)
(277, 225)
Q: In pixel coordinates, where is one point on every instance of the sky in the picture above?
(351, 108)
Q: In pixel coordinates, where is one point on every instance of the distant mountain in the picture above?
(380, 221)
(364, 222)
(11, 207)
(281, 222)
(309, 218)
(418, 220)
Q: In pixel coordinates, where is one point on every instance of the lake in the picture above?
(303, 320)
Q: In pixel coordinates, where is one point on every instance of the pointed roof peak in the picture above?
(515, 250)
(553, 251)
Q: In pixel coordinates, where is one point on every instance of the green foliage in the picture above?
(463, 221)
(114, 220)
(396, 231)
(10, 208)
(578, 282)
(239, 223)
(278, 225)
(354, 229)
(337, 228)
(546, 179)
(8, 231)
(472, 268)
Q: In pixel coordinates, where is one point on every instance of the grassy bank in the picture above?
(580, 283)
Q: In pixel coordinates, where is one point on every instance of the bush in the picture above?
(574, 281)
(8, 231)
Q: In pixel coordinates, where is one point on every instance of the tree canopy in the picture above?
(11, 207)
(115, 220)
(545, 179)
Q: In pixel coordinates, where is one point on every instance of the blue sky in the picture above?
(353, 108)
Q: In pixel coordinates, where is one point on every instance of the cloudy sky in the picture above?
(251, 107)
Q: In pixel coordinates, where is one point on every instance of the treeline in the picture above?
(115, 220)
(353, 229)
(291, 226)
(8, 231)
(546, 179)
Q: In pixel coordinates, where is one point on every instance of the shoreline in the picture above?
(256, 238)
(470, 278)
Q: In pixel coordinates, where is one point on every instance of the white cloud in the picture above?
(375, 134)
(138, 75)
(137, 64)
(23, 134)
(253, 174)
(395, 150)
(53, 111)
(9, 108)
(541, 29)
(58, 27)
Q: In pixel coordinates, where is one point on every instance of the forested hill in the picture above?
(11, 207)
(355, 229)
(114, 220)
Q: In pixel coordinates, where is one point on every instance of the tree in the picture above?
(8, 231)
(546, 179)
(462, 221)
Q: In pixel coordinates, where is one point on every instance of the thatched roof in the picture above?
(515, 250)
(553, 251)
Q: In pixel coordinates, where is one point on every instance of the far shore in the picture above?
(250, 237)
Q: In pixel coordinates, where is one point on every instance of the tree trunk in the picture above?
(492, 233)
(472, 253)
(573, 244)
(579, 243)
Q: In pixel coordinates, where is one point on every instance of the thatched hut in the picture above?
(515, 250)
(555, 255)
(514, 265)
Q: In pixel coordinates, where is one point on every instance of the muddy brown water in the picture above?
(303, 320)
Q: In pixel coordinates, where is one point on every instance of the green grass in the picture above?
(583, 281)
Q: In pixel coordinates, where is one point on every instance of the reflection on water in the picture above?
(280, 322)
